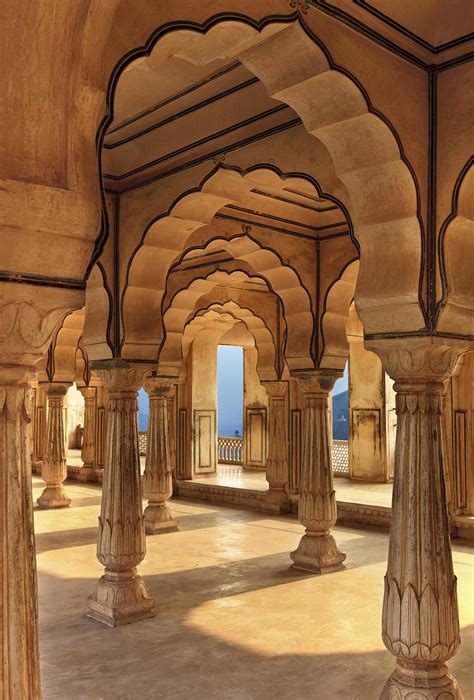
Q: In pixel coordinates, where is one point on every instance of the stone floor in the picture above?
(234, 621)
(351, 491)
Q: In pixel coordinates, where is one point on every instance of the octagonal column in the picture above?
(420, 623)
(276, 499)
(88, 438)
(121, 596)
(20, 677)
(157, 479)
(317, 550)
(54, 470)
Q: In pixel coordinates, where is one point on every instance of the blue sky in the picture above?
(230, 389)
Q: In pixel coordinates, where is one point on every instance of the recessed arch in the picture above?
(171, 354)
(382, 197)
(164, 245)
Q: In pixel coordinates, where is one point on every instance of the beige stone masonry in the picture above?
(317, 550)
(54, 471)
(157, 479)
(121, 596)
(420, 624)
(277, 499)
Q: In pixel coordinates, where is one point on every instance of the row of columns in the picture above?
(420, 618)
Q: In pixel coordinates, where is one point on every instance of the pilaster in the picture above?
(277, 500)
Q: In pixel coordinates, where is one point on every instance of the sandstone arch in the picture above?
(457, 254)
(172, 352)
(335, 317)
(166, 238)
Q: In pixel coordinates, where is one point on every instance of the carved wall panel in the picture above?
(205, 441)
(255, 437)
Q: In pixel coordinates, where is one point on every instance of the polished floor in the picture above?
(233, 622)
(234, 475)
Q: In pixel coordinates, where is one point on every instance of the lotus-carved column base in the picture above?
(317, 552)
(120, 598)
(412, 680)
(53, 497)
(158, 518)
(276, 501)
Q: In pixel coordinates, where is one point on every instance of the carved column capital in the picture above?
(276, 390)
(56, 389)
(119, 377)
(319, 381)
(159, 386)
(420, 360)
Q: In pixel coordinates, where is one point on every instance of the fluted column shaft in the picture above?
(157, 479)
(88, 437)
(19, 673)
(277, 459)
(121, 596)
(420, 616)
(54, 470)
(317, 550)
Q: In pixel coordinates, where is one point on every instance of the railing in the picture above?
(340, 458)
(142, 443)
(230, 450)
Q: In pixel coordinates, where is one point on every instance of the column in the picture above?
(121, 596)
(18, 590)
(157, 479)
(420, 617)
(277, 459)
(54, 470)
(88, 437)
(317, 550)
(39, 436)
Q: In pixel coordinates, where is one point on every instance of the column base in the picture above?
(276, 501)
(317, 553)
(85, 474)
(429, 681)
(53, 497)
(121, 598)
(158, 519)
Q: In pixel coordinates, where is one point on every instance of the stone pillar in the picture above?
(54, 470)
(88, 438)
(18, 591)
(157, 479)
(276, 499)
(39, 436)
(420, 617)
(317, 550)
(121, 596)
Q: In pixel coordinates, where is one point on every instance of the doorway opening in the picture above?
(230, 405)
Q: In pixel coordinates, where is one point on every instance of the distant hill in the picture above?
(340, 414)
